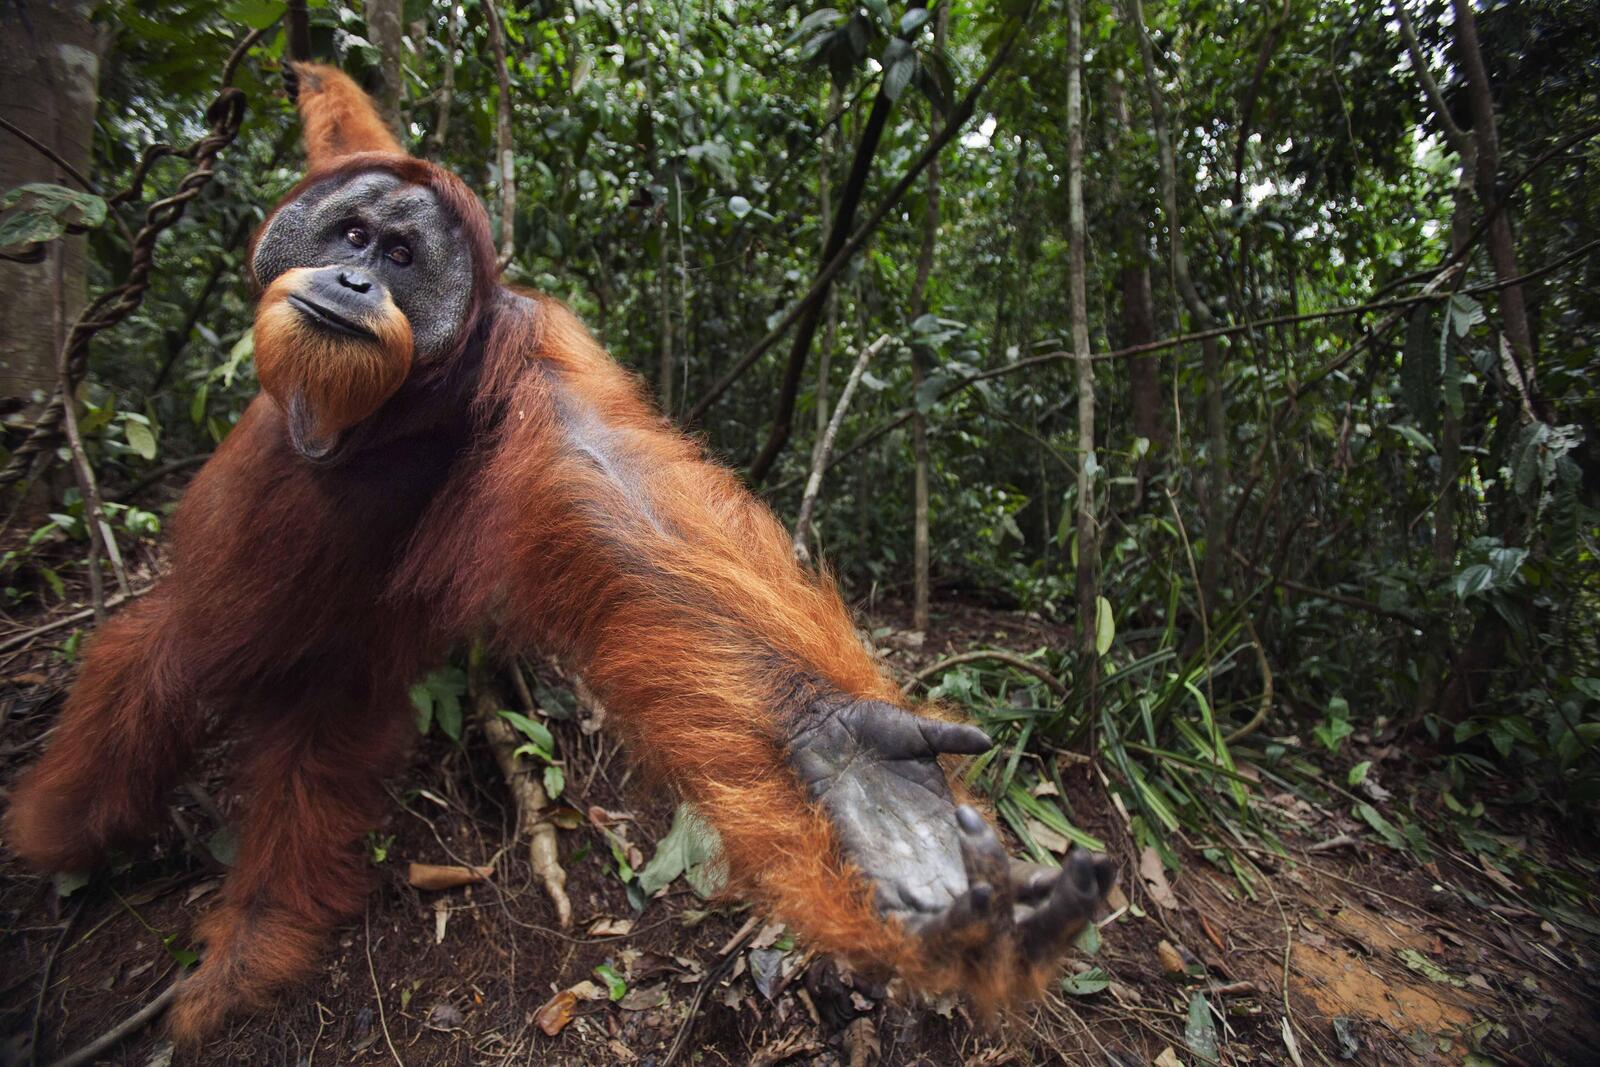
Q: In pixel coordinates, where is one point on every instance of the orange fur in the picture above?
(342, 379)
(338, 117)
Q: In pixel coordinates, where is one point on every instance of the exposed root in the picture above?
(527, 793)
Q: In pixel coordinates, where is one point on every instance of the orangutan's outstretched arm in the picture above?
(741, 680)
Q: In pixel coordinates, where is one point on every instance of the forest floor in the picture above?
(1344, 951)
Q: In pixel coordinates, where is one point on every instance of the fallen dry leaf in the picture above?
(610, 927)
(1171, 962)
(785, 1048)
(556, 1013)
(644, 999)
(861, 1042)
(1155, 878)
(1048, 838)
(1168, 1058)
(441, 919)
(431, 876)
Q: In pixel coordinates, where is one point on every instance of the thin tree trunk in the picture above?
(1088, 547)
(1502, 245)
(819, 463)
(921, 359)
(503, 140)
(1005, 280)
(1466, 148)
(830, 327)
(1138, 307)
(447, 85)
(822, 284)
(384, 27)
(658, 163)
(1213, 362)
(806, 329)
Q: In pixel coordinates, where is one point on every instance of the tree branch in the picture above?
(959, 116)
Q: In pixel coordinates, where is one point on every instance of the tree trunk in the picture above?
(447, 86)
(1502, 246)
(830, 327)
(1213, 364)
(1088, 550)
(384, 27)
(806, 329)
(658, 166)
(49, 80)
(921, 360)
(503, 140)
(1138, 308)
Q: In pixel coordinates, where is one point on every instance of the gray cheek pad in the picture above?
(433, 292)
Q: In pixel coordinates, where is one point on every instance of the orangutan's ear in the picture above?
(339, 118)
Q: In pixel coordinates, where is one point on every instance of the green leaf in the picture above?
(1332, 733)
(543, 740)
(898, 76)
(914, 20)
(1428, 969)
(690, 843)
(820, 19)
(1200, 1031)
(447, 712)
(140, 438)
(1090, 982)
(1358, 773)
(57, 586)
(1391, 837)
(554, 781)
(257, 14)
(68, 882)
(1087, 941)
(615, 986)
(437, 698)
(1478, 578)
(422, 700)
(1465, 313)
(185, 957)
(41, 212)
(1415, 436)
(1105, 626)
(929, 392)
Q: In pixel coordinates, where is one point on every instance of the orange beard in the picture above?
(339, 380)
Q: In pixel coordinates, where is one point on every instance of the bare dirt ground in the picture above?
(1340, 949)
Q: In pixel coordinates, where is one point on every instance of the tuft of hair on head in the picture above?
(339, 379)
(340, 119)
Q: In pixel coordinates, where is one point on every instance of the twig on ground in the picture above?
(383, 1017)
(730, 953)
(1335, 842)
(123, 1030)
(1010, 659)
(1265, 705)
(67, 620)
(44, 978)
(819, 462)
(527, 793)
